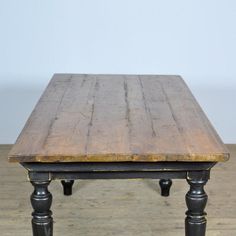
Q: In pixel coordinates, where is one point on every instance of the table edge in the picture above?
(216, 157)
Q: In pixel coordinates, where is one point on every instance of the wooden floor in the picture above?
(117, 207)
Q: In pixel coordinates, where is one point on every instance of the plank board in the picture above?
(110, 118)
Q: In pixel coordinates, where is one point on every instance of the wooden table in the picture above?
(118, 126)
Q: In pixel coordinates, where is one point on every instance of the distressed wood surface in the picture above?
(110, 118)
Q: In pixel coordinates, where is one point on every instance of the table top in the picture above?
(117, 118)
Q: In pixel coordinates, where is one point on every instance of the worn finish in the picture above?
(196, 198)
(195, 223)
(117, 118)
(71, 171)
(111, 207)
(117, 166)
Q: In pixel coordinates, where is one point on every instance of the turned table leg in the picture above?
(67, 186)
(196, 199)
(41, 200)
(165, 185)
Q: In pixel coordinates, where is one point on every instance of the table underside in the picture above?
(119, 170)
(196, 174)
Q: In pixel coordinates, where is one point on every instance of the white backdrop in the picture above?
(196, 39)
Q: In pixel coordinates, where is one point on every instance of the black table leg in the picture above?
(196, 199)
(41, 200)
(67, 187)
(165, 185)
(197, 174)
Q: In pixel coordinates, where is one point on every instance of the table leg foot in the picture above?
(165, 185)
(67, 187)
(196, 199)
(41, 200)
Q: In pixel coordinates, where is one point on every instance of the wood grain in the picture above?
(109, 118)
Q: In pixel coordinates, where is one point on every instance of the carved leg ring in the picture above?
(67, 186)
(41, 200)
(165, 185)
(196, 199)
